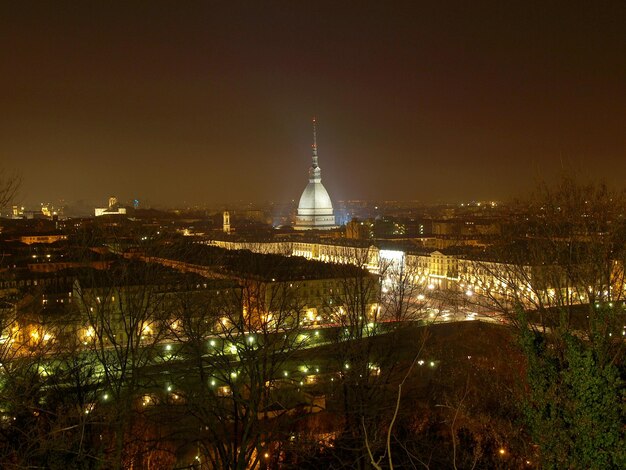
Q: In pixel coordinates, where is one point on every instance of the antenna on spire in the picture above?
(314, 135)
(314, 146)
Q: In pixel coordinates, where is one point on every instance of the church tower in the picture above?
(226, 225)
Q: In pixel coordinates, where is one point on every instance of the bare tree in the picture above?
(559, 278)
(123, 321)
(9, 185)
(240, 339)
(47, 388)
(371, 313)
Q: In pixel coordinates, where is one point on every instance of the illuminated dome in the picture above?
(315, 210)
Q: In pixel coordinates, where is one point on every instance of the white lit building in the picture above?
(315, 210)
(113, 209)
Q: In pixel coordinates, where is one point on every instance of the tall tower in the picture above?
(315, 210)
(227, 222)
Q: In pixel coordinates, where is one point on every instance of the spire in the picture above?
(314, 146)
(315, 173)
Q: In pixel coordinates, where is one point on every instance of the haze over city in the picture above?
(307, 235)
(197, 102)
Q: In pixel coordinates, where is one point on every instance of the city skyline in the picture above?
(207, 103)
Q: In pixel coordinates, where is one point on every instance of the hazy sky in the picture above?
(173, 101)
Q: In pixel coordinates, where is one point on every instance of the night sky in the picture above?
(183, 102)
